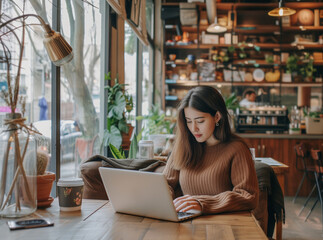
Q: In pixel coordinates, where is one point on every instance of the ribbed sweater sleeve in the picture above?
(225, 182)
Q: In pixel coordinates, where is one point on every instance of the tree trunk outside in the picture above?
(74, 71)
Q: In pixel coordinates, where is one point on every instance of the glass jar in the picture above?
(18, 174)
(146, 149)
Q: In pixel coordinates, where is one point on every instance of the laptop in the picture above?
(141, 193)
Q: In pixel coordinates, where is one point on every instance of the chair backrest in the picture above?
(317, 157)
(300, 151)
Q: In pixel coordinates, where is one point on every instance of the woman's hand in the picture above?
(185, 203)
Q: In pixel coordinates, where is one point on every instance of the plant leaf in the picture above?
(112, 137)
(115, 152)
(133, 147)
(122, 125)
(118, 106)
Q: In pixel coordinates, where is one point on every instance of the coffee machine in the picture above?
(262, 119)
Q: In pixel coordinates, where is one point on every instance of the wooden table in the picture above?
(97, 220)
(279, 168)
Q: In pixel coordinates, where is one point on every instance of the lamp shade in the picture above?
(58, 50)
(281, 12)
(216, 28)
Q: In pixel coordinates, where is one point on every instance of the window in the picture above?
(130, 62)
(150, 17)
(147, 87)
(80, 79)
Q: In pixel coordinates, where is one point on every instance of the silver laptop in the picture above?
(140, 193)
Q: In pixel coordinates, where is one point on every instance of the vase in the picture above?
(18, 169)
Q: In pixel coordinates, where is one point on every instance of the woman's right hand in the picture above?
(185, 203)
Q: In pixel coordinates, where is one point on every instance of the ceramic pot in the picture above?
(126, 138)
(44, 187)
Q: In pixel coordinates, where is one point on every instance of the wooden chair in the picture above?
(301, 157)
(318, 174)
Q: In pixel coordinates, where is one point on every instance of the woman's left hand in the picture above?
(185, 203)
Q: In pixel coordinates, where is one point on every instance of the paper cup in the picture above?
(70, 192)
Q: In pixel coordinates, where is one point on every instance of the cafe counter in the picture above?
(281, 148)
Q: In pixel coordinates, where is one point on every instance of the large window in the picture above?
(80, 79)
(79, 82)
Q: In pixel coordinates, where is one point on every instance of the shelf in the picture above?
(273, 46)
(240, 6)
(189, 83)
(251, 29)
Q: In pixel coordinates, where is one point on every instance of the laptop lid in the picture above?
(140, 193)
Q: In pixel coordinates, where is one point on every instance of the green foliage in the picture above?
(232, 101)
(226, 56)
(116, 153)
(156, 123)
(119, 103)
(310, 114)
(120, 154)
(307, 68)
(291, 64)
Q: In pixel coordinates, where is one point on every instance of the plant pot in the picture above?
(126, 138)
(44, 187)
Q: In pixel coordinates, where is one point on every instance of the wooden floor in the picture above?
(295, 228)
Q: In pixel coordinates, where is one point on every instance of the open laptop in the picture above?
(140, 193)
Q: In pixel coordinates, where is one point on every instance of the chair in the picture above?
(318, 174)
(270, 211)
(301, 156)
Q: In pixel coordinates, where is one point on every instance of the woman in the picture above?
(212, 167)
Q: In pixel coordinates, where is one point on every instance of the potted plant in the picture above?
(45, 180)
(307, 70)
(120, 104)
(292, 67)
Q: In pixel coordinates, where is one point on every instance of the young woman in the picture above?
(211, 166)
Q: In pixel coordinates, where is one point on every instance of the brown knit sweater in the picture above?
(226, 181)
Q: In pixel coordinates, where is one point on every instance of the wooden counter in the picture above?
(281, 148)
(280, 136)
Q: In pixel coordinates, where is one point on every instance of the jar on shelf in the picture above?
(18, 175)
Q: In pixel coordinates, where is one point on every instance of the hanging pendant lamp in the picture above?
(281, 11)
(212, 14)
(215, 27)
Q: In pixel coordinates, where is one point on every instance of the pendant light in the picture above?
(212, 14)
(281, 11)
(215, 27)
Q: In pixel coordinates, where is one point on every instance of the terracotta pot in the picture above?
(44, 186)
(126, 138)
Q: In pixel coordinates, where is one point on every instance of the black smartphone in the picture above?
(29, 223)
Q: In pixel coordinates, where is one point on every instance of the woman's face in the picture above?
(201, 125)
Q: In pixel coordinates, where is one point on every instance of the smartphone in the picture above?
(29, 223)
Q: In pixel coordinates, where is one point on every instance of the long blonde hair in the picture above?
(187, 151)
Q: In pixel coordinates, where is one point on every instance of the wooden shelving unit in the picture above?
(266, 27)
